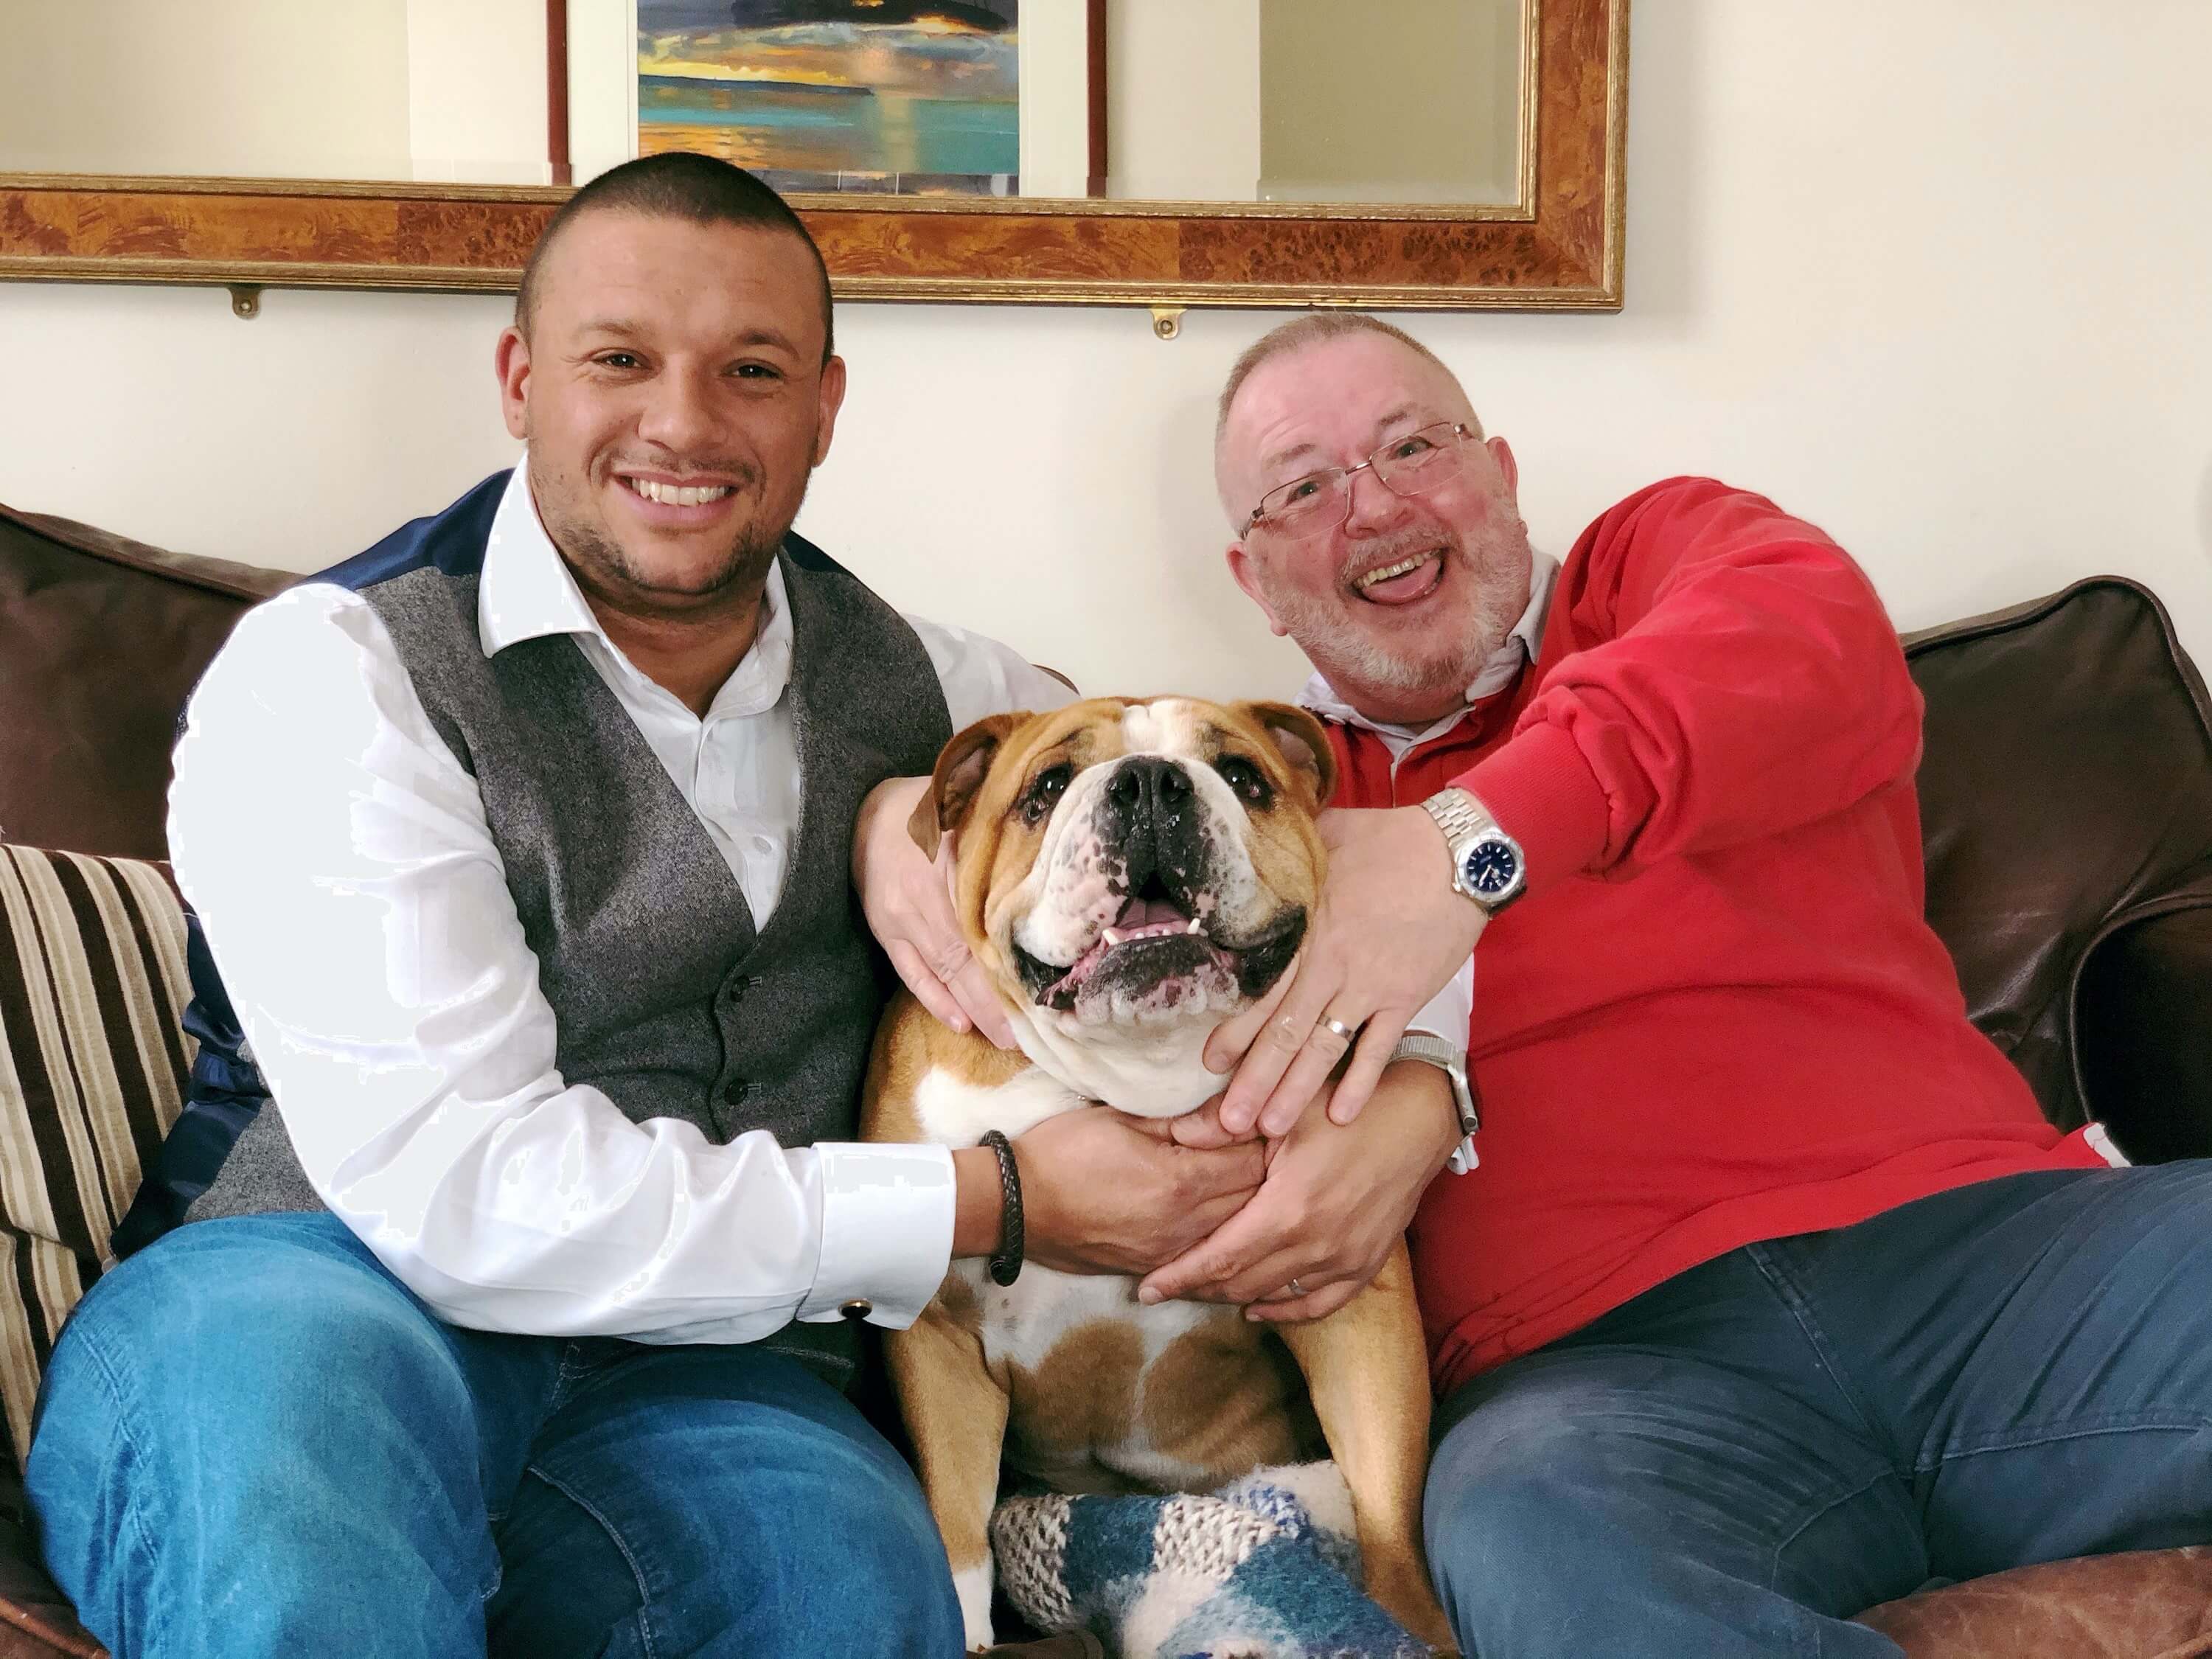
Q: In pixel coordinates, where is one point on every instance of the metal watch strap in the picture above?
(1457, 813)
(1435, 1051)
(1006, 1260)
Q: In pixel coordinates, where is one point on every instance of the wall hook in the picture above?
(245, 300)
(1167, 321)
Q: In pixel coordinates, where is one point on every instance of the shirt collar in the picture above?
(527, 591)
(1515, 652)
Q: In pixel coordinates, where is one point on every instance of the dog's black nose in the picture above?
(1144, 786)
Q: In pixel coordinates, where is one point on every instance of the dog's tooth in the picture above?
(1111, 938)
(1195, 925)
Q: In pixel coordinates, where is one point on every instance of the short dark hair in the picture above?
(675, 184)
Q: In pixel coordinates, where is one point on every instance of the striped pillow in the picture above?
(92, 1061)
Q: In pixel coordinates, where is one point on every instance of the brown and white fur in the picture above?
(1132, 873)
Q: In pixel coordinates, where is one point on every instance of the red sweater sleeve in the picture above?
(1719, 670)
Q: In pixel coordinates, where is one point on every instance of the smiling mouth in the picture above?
(1153, 940)
(668, 495)
(1414, 577)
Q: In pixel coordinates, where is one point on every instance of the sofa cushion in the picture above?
(2146, 1604)
(93, 1057)
(102, 639)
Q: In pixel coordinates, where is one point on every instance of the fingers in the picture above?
(1324, 1045)
(978, 998)
(1233, 1036)
(1355, 1089)
(931, 991)
(1274, 1051)
(1258, 1232)
(1314, 1305)
(1202, 1129)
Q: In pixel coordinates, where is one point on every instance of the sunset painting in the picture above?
(907, 96)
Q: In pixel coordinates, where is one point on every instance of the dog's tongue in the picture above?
(1143, 913)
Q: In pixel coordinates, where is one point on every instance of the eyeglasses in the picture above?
(1409, 465)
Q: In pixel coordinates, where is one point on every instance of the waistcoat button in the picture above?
(736, 1090)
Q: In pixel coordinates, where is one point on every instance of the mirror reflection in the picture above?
(1196, 100)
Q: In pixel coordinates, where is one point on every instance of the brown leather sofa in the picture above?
(2067, 794)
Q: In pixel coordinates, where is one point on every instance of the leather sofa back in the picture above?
(2066, 802)
(101, 641)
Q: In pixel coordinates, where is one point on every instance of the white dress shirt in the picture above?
(356, 905)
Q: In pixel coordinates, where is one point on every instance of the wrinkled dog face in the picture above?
(1133, 866)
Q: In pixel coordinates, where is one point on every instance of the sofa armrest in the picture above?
(2142, 1018)
(35, 1620)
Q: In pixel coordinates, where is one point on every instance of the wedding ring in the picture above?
(1339, 1028)
(1295, 1288)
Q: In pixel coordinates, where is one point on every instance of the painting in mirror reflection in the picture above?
(903, 96)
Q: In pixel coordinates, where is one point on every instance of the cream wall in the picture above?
(1961, 316)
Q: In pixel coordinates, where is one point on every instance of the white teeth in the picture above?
(1390, 570)
(1111, 938)
(1194, 926)
(679, 494)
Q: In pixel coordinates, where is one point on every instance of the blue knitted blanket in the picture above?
(1266, 1568)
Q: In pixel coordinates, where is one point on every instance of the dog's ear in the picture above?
(961, 766)
(1302, 742)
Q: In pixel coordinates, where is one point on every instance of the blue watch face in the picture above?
(1491, 867)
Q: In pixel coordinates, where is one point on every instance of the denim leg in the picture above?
(252, 1440)
(749, 1507)
(2044, 1343)
(1682, 1478)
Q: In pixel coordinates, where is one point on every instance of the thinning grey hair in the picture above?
(1299, 332)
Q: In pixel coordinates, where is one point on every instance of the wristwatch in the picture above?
(1487, 865)
(1435, 1051)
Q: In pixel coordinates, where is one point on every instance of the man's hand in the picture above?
(909, 903)
(1388, 934)
(1335, 1199)
(1102, 1193)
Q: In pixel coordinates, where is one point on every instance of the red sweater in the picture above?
(1717, 1015)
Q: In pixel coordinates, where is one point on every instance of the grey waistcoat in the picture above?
(665, 996)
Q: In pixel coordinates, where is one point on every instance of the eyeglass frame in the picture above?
(1461, 433)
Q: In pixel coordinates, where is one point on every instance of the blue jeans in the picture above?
(1735, 1462)
(254, 1440)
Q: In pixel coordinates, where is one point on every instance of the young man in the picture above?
(517, 1317)
(1773, 1295)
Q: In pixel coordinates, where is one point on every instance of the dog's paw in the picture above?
(973, 1586)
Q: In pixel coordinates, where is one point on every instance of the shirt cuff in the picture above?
(1543, 793)
(886, 1230)
(1449, 1014)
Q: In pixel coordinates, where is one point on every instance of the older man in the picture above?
(1773, 1295)
(517, 1317)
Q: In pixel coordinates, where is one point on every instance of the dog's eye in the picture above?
(1246, 778)
(1045, 792)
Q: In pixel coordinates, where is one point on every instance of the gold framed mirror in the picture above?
(1552, 241)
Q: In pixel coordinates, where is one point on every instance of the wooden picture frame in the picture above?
(1558, 248)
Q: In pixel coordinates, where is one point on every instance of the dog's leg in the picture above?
(956, 1414)
(1366, 1369)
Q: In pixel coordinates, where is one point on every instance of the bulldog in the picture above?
(1132, 873)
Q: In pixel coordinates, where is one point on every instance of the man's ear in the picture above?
(1302, 742)
(1248, 578)
(511, 361)
(961, 765)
